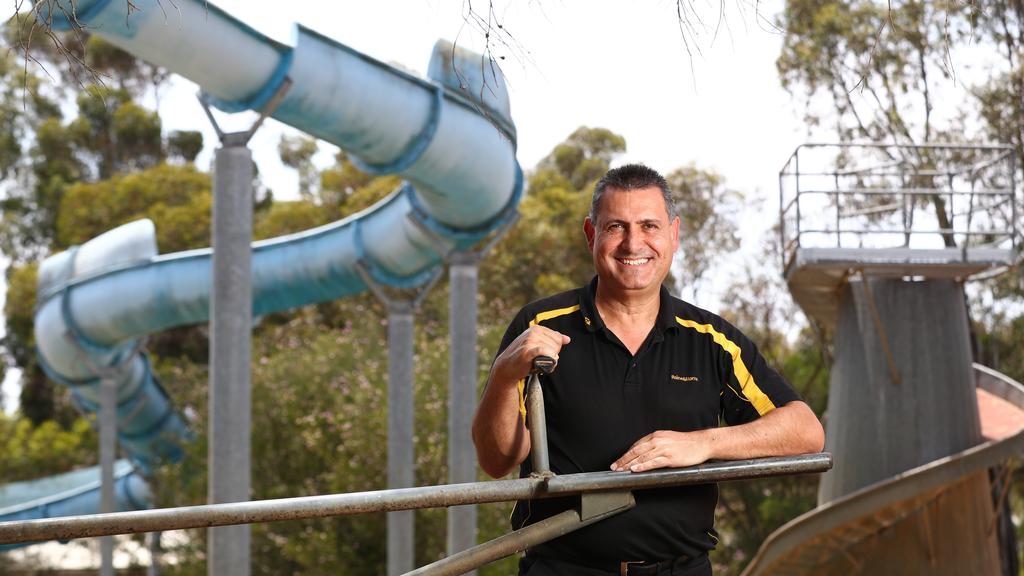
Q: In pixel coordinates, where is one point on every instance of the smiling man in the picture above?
(643, 381)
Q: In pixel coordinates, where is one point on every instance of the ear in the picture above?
(674, 229)
(590, 232)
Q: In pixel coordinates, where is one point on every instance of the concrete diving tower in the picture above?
(877, 242)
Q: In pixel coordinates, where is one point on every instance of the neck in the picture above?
(637, 310)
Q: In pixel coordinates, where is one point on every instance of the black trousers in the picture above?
(538, 566)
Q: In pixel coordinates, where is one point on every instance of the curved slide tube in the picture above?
(808, 543)
(70, 494)
(452, 138)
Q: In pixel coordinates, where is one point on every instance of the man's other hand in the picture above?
(663, 449)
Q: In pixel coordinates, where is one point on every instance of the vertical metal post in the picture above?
(782, 220)
(462, 378)
(401, 463)
(401, 453)
(796, 168)
(538, 424)
(230, 389)
(839, 223)
(154, 554)
(231, 334)
(108, 448)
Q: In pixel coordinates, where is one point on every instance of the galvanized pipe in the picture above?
(538, 425)
(86, 526)
(526, 537)
(230, 389)
(108, 452)
(505, 545)
(462, 391)
(401, 534)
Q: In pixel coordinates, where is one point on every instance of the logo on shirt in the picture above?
(684, 378)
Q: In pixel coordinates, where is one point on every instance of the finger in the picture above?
(641, 446)
(653, 463)
(556, 337)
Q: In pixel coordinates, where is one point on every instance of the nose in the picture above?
(632, 240)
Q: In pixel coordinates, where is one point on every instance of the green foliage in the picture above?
(176, 198)
(184, 144)
(879, 63)
(585, 156)
(37, 401)
(29, 451)
(708, 212)
(19, 307)
(297, 152)
(113, 133)
(287, 218)
(349, 190)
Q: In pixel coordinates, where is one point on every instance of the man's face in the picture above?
(632, 239)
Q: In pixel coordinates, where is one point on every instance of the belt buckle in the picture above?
(624, 566)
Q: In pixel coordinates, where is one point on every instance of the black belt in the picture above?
(631, 568)
(640, 568)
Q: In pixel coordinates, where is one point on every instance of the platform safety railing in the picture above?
(851, 195)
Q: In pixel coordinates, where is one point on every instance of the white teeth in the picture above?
(634, 261)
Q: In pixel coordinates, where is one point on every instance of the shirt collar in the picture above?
(592, 319)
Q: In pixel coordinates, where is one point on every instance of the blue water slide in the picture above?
(450, 136)
(69, 494)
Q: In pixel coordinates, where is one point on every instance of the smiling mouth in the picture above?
(634, 261)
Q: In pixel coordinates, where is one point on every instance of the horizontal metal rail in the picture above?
(1002, 233)
(69, 527)
(930, 145)
(844, 192)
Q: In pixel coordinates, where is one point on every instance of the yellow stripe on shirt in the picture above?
(751, 392)
(546, 315)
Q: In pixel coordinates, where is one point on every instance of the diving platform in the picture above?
(939, 211)
(816, 275)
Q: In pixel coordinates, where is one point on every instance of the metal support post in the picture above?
(462, 380)
(230, 343)
(230, 391)
(110, 378)
(154, 554)
(462, 374)
(401, 416)
(108, 449)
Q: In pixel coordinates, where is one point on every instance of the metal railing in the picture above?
(838, 195)
(602, 494)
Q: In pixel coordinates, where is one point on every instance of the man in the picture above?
(642, 382)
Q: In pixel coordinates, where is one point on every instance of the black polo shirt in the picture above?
(692, 372)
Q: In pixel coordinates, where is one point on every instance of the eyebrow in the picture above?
(621, 221)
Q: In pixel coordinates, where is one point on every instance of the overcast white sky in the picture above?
(613, 64)
(600, 63)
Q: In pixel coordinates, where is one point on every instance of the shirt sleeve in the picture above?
(751, 388)
(515, 328)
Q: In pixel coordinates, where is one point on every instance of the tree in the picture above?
(883, 71)
(708, 212)
(297, 152)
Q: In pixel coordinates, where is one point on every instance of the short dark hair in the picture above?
(633, 177)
